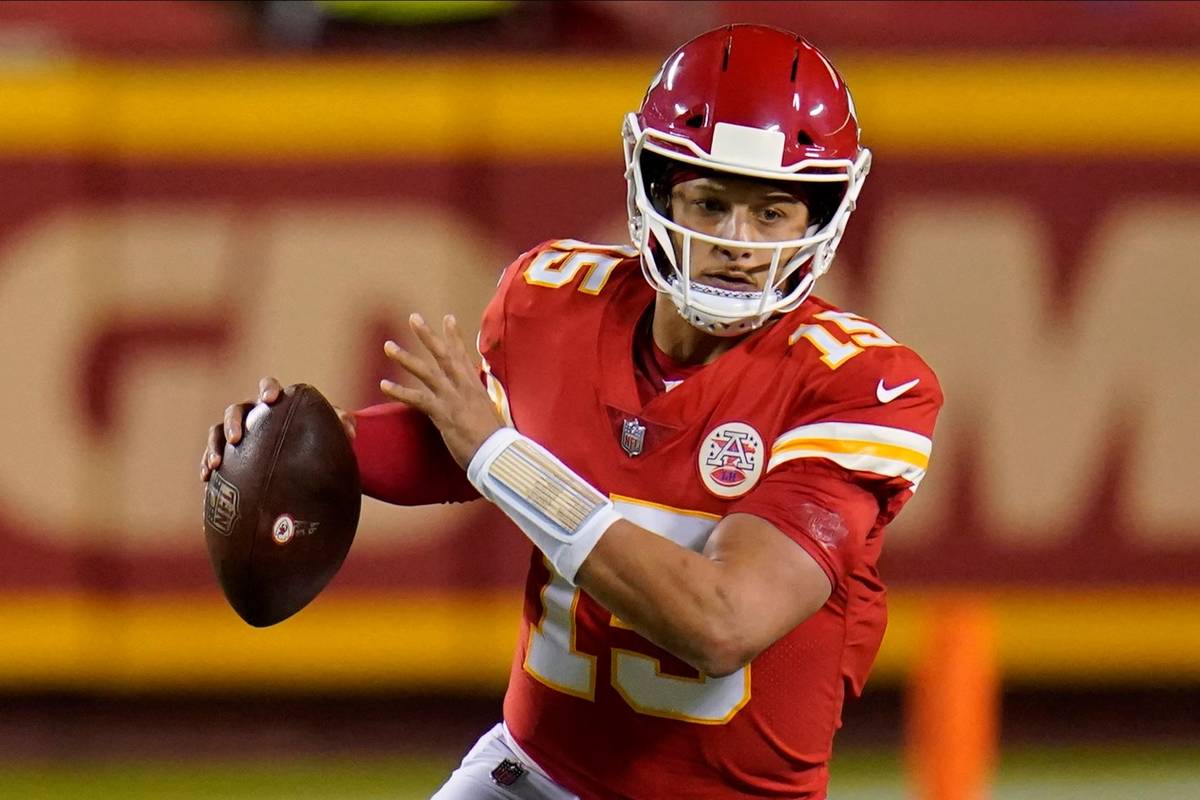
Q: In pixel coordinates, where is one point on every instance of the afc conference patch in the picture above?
(731, 459)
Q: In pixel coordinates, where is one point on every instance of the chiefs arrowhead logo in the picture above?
(283, 529)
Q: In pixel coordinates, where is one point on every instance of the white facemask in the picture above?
(723, 312)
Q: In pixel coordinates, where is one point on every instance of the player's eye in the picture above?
(710, 205)
(772, 214)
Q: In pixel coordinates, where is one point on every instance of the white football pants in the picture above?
(518, 779)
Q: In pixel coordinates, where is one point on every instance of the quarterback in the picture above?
(703, 453)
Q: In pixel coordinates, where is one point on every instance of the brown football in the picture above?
(281, 511)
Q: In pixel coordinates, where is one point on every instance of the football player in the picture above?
(703, 454)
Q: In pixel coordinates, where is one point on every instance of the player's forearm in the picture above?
(675, 597)
(402, 459)
(698, 608)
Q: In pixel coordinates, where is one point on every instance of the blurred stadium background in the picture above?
(193, 194)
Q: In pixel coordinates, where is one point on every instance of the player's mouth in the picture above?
(735, 282)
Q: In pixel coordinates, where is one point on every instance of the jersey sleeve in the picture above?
(854, 450)
(493, 331)
(402, 459)
(827, 515)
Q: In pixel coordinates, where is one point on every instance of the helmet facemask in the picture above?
(719, 311)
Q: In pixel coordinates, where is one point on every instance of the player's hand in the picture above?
(231, 428)
(450, 393)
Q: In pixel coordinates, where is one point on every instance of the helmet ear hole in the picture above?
(803, 139)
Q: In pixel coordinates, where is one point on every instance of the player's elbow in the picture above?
(723, 652)
(719, 662)
(727, 638)
(735, 632)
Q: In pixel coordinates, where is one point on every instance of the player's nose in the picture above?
(738, 226)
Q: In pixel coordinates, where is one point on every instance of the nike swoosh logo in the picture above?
(887, 395)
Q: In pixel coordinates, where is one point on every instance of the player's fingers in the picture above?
(418, 399)
(459, 353)
(212, 451)
(349, 423)
(269, 389)
(430, 338)
(216, 445)
(455, 352)
(416, 366)
(234, 415)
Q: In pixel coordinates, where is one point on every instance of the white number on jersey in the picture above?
(558, 266)
(554, 661)
(835, 352)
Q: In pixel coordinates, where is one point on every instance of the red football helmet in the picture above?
(755, 101)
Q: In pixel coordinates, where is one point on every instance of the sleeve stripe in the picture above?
(858, 462)
(857, 432)
(892, 452)
(887, 452)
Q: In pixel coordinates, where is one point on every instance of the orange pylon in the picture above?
(953, 710)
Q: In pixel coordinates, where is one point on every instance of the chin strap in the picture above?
(560, 512)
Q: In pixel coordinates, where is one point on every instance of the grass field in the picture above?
(1124, 773)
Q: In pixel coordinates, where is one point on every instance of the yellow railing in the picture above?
(354, 641)
(540, 109)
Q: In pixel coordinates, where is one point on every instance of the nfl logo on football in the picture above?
(221, 505)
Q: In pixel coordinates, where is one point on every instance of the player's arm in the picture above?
(402, 459)
(401, 456)
(716, 610)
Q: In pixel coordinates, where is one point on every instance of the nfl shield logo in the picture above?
(507, 772)
(221, 505)
(633, 436)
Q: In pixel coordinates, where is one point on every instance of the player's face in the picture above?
(732, 207)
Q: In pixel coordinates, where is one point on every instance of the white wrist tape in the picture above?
(559, 511)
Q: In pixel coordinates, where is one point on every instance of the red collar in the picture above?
(656, 371)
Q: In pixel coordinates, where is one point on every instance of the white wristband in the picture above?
(559, 511)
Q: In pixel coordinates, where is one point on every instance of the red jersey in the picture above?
(819, 423)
